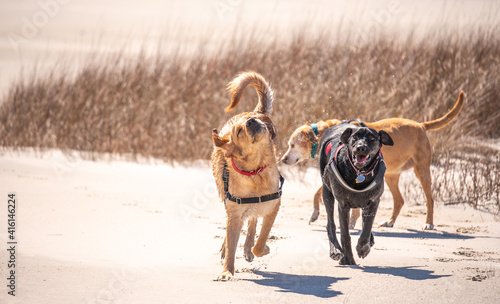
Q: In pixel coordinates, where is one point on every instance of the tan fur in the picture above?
(411, 150)
(302, 139)
(264, 90)
(249, 153)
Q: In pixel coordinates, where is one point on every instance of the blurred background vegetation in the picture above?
(165, 105)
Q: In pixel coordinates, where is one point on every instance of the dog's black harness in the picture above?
(248, 200)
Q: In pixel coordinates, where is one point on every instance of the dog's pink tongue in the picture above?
(361, 158)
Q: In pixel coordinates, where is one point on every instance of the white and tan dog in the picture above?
(411, 150)
(244, 166)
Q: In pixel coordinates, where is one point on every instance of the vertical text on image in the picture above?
(11, 242)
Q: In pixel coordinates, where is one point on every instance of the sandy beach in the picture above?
(127, 232)
(121, 231)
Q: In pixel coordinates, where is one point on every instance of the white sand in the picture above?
(121, 232)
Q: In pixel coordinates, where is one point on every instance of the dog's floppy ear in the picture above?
(344, 138)
(224, 143)
(385, 138)
(217, 140)
(312, 137)
(270, 126)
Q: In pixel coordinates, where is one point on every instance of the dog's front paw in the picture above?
(314, 216)
(225, 276)
(372, 240)
(386, 224)
(428, 227)
(335, 253)
(261, 253)
(347, 261)
(363, 250)
(249, 256)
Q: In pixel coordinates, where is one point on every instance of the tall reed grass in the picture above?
(165, 106)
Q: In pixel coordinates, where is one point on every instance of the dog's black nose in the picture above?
(250, 122)
(361, 149)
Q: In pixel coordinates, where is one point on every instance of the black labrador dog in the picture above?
(352, 169)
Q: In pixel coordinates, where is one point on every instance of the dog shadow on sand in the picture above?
(407, 272)
(319, 286)
(412, 233)
(423, 234)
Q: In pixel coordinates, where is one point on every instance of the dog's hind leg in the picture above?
(250, 240)
(260, 248)
(354, 218)
(317, 199)
(366, 239)
(423, 173)
(392, 180)
(234, 224)
(336, 252)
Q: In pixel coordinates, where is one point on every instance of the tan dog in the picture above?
(411, 150)
(245, 149)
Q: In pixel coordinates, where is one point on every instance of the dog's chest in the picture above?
(354, 199)
(257, 185)
(252, 186)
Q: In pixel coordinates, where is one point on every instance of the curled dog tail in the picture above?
(445, 120)
(238, 85)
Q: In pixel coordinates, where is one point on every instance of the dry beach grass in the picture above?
(164, 106)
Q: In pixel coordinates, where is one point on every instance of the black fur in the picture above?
(358, 141)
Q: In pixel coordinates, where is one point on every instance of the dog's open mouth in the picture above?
(361, 159)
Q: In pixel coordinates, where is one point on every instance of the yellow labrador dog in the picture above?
(244, 166)
(411, 150)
